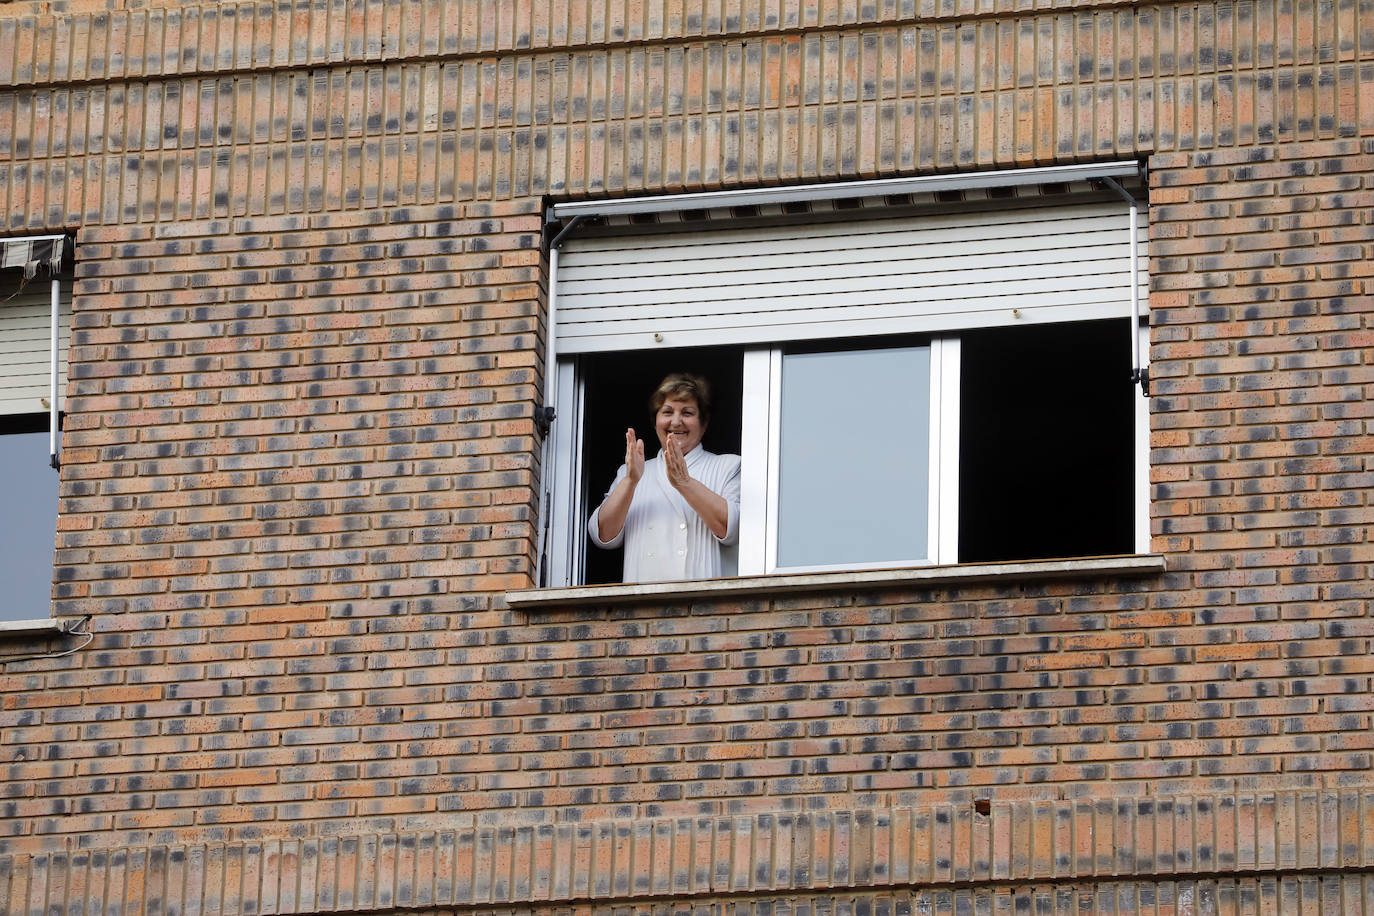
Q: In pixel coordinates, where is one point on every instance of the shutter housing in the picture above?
(26, 339)
(1056, 260)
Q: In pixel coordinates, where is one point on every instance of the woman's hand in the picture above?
(675, 465)
(610, 518)
(634, 457)
(703, 500)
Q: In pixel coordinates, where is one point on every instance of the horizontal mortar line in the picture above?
(675, 41)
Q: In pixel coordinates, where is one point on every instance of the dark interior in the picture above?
(1047, 442)
(24, 423)
(617, 396)
(1047, 436)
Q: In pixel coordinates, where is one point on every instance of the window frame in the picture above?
(57, 263)
(760, 469)
(761, 456)
(563, 500)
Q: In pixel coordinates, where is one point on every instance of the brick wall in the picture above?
(1260, 433)
(332, 411)
(301, 468)
(153, 115)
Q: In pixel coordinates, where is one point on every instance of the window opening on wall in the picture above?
(35, 318)
(617, 390)
(1046, 442)
(1037, 428)
(979, 348)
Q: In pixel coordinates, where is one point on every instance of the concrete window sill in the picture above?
(15, 629)
(1091, 567)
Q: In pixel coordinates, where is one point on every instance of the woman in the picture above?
(674, 512)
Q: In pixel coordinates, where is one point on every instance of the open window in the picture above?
(35, 320)
(1048, 446)
(614, 393)
(909, 379)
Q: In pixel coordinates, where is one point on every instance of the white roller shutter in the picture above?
(25, 316)
(877, 275)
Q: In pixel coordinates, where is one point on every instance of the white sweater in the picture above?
(664, 538)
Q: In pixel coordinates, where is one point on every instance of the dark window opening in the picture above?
(618, 387)
(1047, 442)
(25, 424)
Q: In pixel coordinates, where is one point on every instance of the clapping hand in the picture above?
(634, 456)
(675, 465)
(704, 501)
(610, 518)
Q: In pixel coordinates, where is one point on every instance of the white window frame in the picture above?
(759, 476)
(1141, 486)
(564, 503)
(15, 252)
(760, 454)
(567, 499)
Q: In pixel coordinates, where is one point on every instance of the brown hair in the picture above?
(683, 386)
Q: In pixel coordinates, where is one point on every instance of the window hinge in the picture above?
(543, 419)
(1141, 377)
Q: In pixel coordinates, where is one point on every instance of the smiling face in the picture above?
(680, 419)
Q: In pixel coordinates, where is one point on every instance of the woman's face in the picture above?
(680, 420)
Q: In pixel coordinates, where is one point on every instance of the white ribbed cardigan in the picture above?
(665, 540)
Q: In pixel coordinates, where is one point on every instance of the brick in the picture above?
(300, 463)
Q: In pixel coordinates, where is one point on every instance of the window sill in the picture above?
(11, 629)
(803, 582)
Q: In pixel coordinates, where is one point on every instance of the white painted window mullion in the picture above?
(755, 462)
(53, 406)
(944, 450)
(774, 439)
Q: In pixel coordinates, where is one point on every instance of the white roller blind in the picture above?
(875, 275)
(25, 315)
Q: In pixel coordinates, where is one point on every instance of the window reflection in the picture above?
(854, 464)
(29, 507)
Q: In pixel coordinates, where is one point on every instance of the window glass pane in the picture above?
(29, 508)
(854, 465)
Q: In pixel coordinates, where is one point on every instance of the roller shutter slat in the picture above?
(24, 342)
(869, 276)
